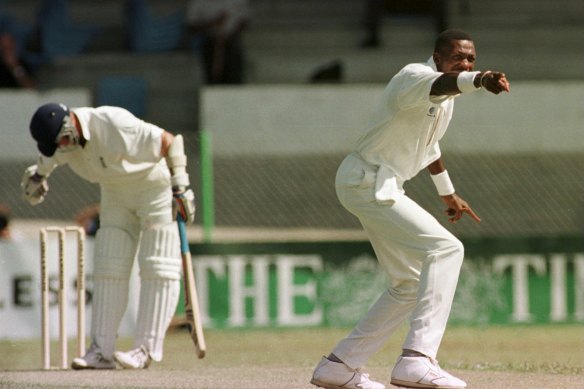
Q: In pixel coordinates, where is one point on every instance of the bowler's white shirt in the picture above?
(406, 126)
(120, 148)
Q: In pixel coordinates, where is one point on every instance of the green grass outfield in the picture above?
(543, 356)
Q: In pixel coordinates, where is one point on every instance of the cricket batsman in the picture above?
(141, 171)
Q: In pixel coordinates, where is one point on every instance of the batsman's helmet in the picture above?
(45, 126)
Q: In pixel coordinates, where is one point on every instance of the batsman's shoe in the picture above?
(93, 359)
(336, 375)
(139, 358)
(423, 372)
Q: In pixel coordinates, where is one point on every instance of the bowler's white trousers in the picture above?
(422, 261)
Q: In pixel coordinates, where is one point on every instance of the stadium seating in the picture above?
(150, 33)
(59, 34)
(129, 92)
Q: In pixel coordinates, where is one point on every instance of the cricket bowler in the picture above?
(421, 258)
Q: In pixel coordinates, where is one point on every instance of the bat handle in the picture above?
(182, 231)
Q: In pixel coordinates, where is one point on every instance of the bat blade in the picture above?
(192, 312)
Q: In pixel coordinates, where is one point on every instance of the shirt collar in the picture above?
(83, 117)
(432, 64)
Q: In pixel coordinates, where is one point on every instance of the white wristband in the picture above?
(443, 183)
(465, 81)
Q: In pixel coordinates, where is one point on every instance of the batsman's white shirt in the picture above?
(121, 148)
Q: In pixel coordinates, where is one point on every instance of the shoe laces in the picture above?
(435, 363)
(437, 366)
(95, 350)
(140, 353)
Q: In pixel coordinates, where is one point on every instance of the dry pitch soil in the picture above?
(526, 357)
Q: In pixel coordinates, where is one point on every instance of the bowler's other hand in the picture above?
(457, 207)
(184, 203)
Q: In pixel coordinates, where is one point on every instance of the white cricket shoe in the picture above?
(139, 358)
(423, 372)
(336, 375)
(93, 359)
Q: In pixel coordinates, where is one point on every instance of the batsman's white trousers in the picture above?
(422, 261)
(136, 221)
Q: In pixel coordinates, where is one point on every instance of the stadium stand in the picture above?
(286, 42)
(151, 33)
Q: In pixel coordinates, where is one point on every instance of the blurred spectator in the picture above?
(88, 218)
(377, 9)
(329, 73)
(13, 72)
(218, 25)
(5, 233)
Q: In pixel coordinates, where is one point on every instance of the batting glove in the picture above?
(184, 203)
(34, 186)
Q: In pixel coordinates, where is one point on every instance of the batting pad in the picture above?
(115, 250)
(114, 255)
(158, 300)
(159, 255)
(160, 272)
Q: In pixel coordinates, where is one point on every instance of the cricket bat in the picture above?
(192, 311)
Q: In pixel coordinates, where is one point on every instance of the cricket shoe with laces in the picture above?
(138, 358)
(93, 359)
(336, 375)
(423, 372)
